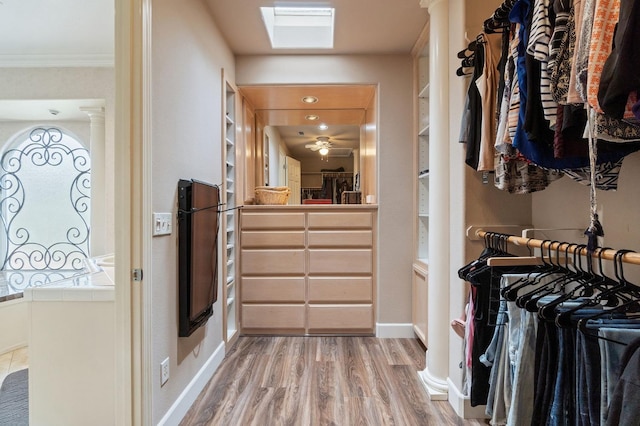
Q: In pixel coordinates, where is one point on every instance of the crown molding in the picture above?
(56, 61)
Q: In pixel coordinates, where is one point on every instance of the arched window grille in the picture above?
(45, 187)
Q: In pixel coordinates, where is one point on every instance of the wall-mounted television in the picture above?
(198, 221)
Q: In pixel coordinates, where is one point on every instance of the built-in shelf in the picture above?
(424, 131)
(228, 218)
(423, 175)
(424, 93)
(423, 215)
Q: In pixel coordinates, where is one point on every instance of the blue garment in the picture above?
(541, 152)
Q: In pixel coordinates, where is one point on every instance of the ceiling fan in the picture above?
(322, 144)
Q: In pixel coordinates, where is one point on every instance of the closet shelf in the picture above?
(423, 175)
(423, 215)
(424, 131)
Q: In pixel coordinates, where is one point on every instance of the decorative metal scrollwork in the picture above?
(21, 250)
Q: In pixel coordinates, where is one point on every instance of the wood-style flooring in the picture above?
(300, 381)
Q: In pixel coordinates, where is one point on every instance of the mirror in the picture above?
(322, 137)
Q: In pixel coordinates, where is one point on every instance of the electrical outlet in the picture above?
(164, 371)
(162, 224)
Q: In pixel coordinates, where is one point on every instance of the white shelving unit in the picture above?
(422, 214)
(420, 270)
(229, 222)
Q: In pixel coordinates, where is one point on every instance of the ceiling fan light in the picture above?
(323, 151)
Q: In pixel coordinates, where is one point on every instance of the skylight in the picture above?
(299, 27)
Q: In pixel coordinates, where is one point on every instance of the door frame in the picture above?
(133, 211)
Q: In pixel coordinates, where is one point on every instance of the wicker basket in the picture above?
(276, 195)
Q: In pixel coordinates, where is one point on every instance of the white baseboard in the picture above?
(395, 330)
(196, 385)
(461, 404)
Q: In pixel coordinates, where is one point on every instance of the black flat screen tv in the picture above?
(198, 220)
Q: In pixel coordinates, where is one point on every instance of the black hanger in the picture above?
(510, 292)
(626, 299)
(529, 301)
(584, 279)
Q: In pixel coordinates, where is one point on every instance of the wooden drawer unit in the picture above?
(340, 318)
(307, 270)
(332, 289)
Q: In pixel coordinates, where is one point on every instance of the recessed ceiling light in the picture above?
(323, 126)
(311, 117)
(309, 99)
(299, 27)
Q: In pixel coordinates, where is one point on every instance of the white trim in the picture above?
(395, 330)
(436, 388)
(461, 404)
(191, 392)
(146, 220)
(57, 61)
(125, 113)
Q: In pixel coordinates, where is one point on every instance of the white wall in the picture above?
(188, 56)
(393, 75)
(565, 204)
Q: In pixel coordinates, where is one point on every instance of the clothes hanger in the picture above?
(620, 301)
(511, 292)
(529, 301)
(585, 279)
(515, 260)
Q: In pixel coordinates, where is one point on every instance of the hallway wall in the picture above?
(188, 55)
(393, 75)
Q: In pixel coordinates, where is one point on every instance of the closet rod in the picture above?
(608, 254)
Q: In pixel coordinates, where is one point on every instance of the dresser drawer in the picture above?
(286, 289)
(340, 220)
(341, 262)
(340, 318)
(340, 239)
(273, 316)
(345, 290)
(272, 262)
(275, 239)
(264, 220)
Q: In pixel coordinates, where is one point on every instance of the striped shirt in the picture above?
(538, 47)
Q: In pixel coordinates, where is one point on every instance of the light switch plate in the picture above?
(162, 224)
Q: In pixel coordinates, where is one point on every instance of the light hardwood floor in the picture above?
(302, 381)
(13, 361)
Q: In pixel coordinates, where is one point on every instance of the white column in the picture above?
(98, 199)
(434, 376)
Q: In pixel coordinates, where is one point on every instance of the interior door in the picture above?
(293, 179)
